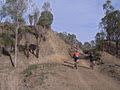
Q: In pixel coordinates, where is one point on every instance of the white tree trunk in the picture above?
(16, 42)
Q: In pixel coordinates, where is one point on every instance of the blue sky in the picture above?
(80, 17)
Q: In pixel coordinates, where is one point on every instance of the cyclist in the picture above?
(92, 60)
(76, 56)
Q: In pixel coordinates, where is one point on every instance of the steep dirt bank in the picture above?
(53, 49)
(110, 66)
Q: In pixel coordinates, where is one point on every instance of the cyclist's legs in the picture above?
(75, 62)
(94, 62)
(91, 64)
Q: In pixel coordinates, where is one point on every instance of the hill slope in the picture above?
(54, 70)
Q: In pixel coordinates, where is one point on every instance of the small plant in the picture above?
(6, 39)
(50, 65)
(29, 70)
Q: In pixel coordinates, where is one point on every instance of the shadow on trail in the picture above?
(84, 67)
(68, 66)
(86, 57)
(73, 65)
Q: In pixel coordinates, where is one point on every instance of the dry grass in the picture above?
(53, 49)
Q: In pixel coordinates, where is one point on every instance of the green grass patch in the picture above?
(50, 65)
(29, 70)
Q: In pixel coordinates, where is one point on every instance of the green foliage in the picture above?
(8, 27)
(15, 8)
(99, 39)
(27, 29)
(46, 66)
(19, 30)
(29, 70)
(11, 1)
(46, 19)
(68, 38)
(50, 65)
(46, 6)
(110, 23)
(7, 39)
(21, 21)
(108, 7)
(106, 24)
(21, 48)
(87, 44)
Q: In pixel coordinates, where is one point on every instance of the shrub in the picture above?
(29, 70)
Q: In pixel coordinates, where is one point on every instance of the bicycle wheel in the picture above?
(75, 65)
(92, 66)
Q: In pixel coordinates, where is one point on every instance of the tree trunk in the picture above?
(117, 42)
(37, 48)
(109, 43)
(16, 43)
(27, 49)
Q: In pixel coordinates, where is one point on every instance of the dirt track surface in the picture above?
(66, 77)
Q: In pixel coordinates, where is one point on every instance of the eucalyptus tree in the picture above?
(44, 23)
(99, 40)
(36, 16)
(87, 44)
(108, 7)
(30, 19)
(46, 17)
(115, 16)
(16, 10)
(106, 21)
(47, 6)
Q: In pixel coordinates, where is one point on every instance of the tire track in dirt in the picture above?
(94, 79)
(81, 80)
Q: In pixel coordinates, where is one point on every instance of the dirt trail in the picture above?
(66, 77)
(83, 78)
(98, 81)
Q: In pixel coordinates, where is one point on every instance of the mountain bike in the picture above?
(92, 64)
(76, 64)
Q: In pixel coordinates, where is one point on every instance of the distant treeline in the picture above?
(70, 39)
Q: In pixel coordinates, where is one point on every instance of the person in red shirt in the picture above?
(76, 56)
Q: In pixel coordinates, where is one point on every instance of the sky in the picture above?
(79, 17)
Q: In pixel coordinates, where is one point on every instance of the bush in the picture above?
(7, 39)
(46, 19)
(29, 70)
